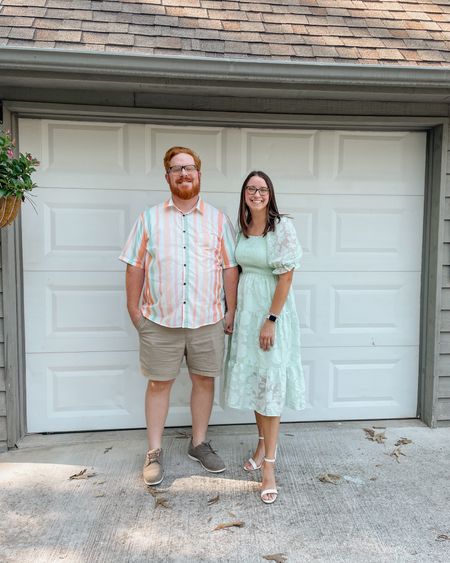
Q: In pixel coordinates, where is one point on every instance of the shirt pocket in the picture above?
(209, 244)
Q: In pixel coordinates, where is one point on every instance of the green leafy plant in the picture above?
(15, 169)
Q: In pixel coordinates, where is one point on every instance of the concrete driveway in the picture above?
(382, 508)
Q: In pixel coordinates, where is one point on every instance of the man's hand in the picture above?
(135, 317)
(134, 284)
(267, 335)
(228, 322)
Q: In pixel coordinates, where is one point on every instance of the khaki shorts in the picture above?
(162, 350)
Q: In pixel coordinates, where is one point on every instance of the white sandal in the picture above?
(252, 462)
(269, 491)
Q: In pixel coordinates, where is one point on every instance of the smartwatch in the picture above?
(272, 317)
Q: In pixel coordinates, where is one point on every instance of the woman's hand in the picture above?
(267, 335)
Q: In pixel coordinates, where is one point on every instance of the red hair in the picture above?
(170, 153)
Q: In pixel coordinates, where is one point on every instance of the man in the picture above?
(180, 257)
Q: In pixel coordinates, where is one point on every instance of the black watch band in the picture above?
(272, 318)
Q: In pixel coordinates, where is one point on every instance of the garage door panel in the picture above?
(375, 380)
(80, 230)
(84, 391)
(289, 157)
(83, 155)
(381, 228)
(358, 308)
(215, 145)
(98, 147)
(360, 383)
(360, 233)
(71, 311)
(391, 169)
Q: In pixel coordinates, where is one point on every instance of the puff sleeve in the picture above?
(284, 250)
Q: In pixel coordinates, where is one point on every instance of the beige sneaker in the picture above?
(153, 467)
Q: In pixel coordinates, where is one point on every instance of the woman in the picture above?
(263, 368)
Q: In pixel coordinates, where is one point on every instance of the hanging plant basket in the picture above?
(15, 178)
(9, 208)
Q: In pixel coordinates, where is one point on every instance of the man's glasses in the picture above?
(179, 169)
(252, 190)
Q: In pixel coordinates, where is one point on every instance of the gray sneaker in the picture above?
(153, 467)
(206, 456)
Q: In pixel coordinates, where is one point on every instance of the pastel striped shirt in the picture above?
(183, 255)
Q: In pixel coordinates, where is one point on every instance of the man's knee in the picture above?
(202, 381)
(159, 386)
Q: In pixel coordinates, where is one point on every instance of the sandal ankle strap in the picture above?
(269, 460)
(261, 438)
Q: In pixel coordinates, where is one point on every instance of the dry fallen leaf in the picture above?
(83, 474)
(375, 436)
(79, 475)
(161, 501)
(213, 500)
(99, 482)
(396, 453)
(182, 435)
(234, 524)
(100, 495)
(288, 434)
(329, 478)
(443, 537)
(403, 442)
(278, 557)
(108, 449)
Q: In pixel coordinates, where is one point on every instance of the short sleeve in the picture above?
(228, 244)
(135, 249)
(284, 250)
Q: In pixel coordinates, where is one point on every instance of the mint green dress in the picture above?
(262, 381)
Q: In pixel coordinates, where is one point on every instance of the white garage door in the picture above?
(357, 201)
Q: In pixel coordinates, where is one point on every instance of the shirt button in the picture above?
(184, 303)
(184, 247)
(184, 283)
(184, 265)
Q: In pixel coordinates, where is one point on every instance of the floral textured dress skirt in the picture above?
(265, 382)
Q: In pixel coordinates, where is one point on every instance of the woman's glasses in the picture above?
(252, 190)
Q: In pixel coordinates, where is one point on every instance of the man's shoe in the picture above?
(206, 456)
(153, 467)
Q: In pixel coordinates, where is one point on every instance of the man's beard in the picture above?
(185, 193)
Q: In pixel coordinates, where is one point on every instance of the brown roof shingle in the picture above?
(410, 32)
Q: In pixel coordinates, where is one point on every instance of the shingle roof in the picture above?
(351, 31)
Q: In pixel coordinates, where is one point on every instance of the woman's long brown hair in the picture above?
(272, 213)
